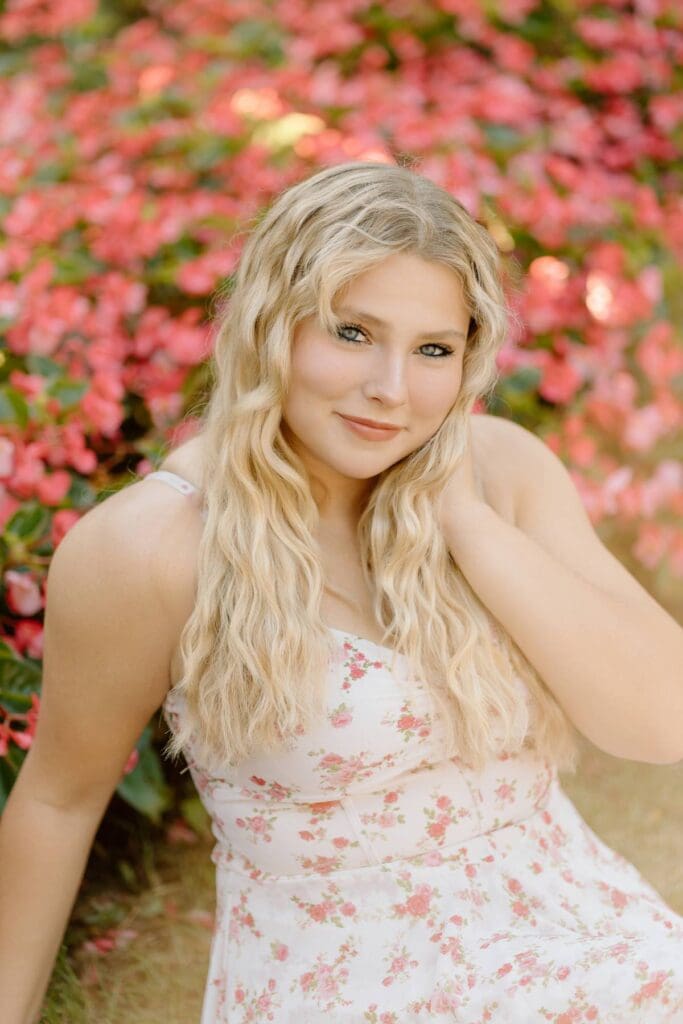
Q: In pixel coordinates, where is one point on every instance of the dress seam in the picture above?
(357, 826)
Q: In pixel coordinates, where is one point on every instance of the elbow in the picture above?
(672, 746)
(672, 754)
(670, 750)
(669, 723)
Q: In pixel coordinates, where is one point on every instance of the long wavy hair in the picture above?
(255, 650)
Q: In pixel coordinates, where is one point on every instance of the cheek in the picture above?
(321, 371)
(433, 399)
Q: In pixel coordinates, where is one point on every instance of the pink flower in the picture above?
(318, 912)
(652, 543)
(306, 981)
(560, 381)
(178, 833)
(418, 904)
(62, 521)
(331, 760)
(133, 759)
(619, 898)
(406, 722)
(22, 593)
(53, 488)
(200, 275)
(28, 638)
(6, 458)
(433, 858)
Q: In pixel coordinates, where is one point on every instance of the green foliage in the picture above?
(64, 1001)
(144, 787)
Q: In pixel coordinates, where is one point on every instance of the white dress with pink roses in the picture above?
(364, 878)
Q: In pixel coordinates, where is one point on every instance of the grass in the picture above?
(158, 978)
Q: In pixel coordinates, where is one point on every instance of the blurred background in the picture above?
(139, 141)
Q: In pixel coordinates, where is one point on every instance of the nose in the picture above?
(389, 381)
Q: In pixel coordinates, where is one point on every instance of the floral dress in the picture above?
(362, 877)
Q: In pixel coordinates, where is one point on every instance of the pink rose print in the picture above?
(367, 877)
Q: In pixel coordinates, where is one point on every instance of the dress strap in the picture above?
(179, 482)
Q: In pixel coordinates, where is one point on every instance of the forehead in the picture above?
(406, 289)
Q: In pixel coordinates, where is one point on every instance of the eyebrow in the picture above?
(360, 315)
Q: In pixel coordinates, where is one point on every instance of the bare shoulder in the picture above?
(501, 449)
(152, 532)
(515, 446)
(187, 460)
(110, 634)
(495, 429)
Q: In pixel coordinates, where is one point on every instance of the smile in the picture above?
(368, 432)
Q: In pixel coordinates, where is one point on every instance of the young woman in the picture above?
(376, 623)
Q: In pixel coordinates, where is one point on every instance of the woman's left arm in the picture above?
(610, 654)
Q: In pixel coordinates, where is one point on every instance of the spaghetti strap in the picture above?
(179, 482)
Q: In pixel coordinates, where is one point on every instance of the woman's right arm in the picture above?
(107, 648)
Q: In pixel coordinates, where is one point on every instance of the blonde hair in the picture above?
(255, 649)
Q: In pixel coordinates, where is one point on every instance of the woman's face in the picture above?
(381, 366)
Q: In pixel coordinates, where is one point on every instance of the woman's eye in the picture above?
(443, 349)
(348, 327)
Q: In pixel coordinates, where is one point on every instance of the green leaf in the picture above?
(74, 267)
(196, 815)
(7, 778)
(43, 366)
(144, 788)
(18, 676)
(15, 701)
(28, 523)
(13, 407)
(68, 391)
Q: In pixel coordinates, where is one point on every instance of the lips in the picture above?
(372, 423)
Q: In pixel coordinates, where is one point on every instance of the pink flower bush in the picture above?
(150, 151)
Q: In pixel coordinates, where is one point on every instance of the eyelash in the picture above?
(446, 351)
